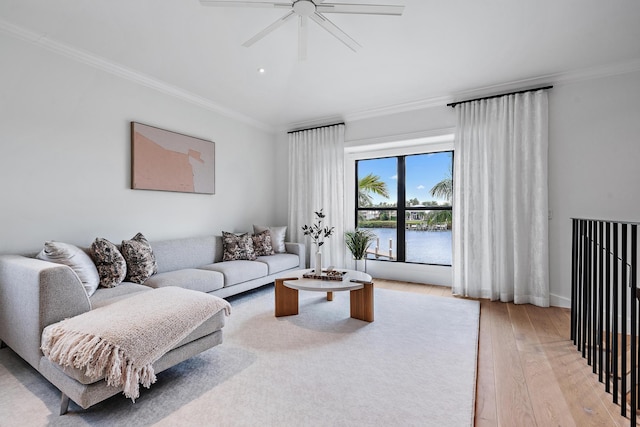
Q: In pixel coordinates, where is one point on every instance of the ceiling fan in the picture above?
(314, 10)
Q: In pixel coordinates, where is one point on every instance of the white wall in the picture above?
(65, 158)
(594, 161)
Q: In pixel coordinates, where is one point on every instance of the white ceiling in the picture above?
(437, 50)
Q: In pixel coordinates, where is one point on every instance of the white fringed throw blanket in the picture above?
(121, 341)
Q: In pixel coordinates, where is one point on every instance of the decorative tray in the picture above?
(326, 275)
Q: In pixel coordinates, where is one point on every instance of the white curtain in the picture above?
(500, 234)
(316, 181)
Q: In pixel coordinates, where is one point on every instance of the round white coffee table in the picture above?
(359, 284)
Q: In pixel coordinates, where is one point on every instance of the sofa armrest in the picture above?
(297, 249)
(33, 295)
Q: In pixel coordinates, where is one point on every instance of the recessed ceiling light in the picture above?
(262, 70)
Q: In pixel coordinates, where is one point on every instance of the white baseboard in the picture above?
(558, 301)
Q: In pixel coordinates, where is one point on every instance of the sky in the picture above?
(423, 172)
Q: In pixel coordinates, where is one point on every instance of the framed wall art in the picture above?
(169, 161)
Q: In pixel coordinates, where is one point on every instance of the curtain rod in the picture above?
(317, 127)
(453, 104)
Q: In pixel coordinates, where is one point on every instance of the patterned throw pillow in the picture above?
(277, 236)
(262, 243)
(237, 247)
(112, 268)
(141, 262)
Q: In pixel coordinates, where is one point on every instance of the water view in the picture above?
(427, 247)
(417, 189)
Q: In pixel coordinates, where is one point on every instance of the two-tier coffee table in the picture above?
(359, 284)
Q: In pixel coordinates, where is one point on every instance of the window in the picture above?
(406, 202)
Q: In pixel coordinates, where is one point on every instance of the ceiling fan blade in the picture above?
(244, 4)
(302, 38)
(335, 31)
(269, 29)
(367, 9)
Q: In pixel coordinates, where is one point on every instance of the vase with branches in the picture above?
(318, 232)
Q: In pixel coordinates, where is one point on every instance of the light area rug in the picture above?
(414, 366)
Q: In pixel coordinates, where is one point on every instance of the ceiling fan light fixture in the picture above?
(304, 7)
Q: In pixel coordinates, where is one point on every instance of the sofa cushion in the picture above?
(238, 271)
(105, 296)
(237, 247)
(112, 268)
(190, 252)
(141, 263)
(280, 262)
(188, 278)
(277, 236)
(262, 243)
(76, 259)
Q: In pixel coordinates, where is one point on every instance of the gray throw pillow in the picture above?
(262, 243)
(112, 267)
(277, 236)
(76, 258)
(237, 247)
(141, 262)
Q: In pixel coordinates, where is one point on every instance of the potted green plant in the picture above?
(358, 242)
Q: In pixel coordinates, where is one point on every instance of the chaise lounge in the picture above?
(35, 294)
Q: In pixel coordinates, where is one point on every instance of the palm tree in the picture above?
(439, 217)
(444, 188)
(368, 185)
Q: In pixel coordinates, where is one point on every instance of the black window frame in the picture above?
(401, 209)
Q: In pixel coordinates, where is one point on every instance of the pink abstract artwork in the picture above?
(169, 161)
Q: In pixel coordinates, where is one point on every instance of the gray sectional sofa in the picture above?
(196, 263)
(36, 293)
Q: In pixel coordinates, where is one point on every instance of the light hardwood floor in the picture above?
(529, 372)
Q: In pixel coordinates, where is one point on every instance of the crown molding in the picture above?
(398, 108)
(557, 79)
(103, 64)
(324, 121)
(42, 40)
(593, 73)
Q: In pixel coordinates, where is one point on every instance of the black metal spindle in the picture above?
(608, 305)
(600, 252)
(634, 324)
(581, 290)
(585, 289)
(574, 277)
(623, 307)
(593, 289)
(616, 304)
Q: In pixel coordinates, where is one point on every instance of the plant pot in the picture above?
(360, 265)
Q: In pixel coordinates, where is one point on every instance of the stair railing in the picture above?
(604, 305)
